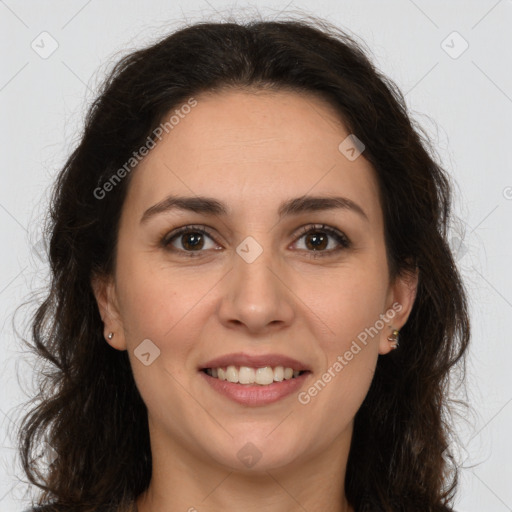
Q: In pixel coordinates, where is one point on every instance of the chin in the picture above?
(254, 454)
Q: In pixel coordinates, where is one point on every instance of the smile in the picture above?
(253, 394)
(247, 375)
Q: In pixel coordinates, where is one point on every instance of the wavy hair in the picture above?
(88, 408)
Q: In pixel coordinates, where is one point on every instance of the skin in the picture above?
(251, 151)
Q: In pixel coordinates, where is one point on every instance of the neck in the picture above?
(182, 481)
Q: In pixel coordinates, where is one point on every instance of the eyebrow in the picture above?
(210, 206)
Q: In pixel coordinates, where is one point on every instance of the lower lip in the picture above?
(255, 394)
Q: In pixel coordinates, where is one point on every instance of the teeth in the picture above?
(246, 375)
(264, 376)
(231, 374)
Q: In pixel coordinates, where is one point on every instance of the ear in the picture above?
(400, 300)
(106, 297)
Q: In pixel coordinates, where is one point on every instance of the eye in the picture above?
(187, 240)
(316, 240)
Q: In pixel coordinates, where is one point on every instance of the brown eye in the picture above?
(192, 241)
(188, 240)
(318, 239)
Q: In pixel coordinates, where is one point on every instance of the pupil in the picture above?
(318, 241)
(192, 236)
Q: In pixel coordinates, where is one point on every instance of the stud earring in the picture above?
(110, 335)
(394, 339)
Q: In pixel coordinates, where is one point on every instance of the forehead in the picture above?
(254, 149)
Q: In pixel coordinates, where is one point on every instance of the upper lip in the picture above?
(255, 361)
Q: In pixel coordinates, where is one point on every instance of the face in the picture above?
(242, 275)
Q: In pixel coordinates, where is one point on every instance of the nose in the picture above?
(257, 297)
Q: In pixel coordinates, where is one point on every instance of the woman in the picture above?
(253, 304)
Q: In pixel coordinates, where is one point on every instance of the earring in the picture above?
(394, 339)
(110, 335)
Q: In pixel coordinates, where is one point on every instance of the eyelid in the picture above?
(342, 239)
(193, 228)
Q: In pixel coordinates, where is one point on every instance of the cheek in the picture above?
(158, 299)
(336, 393)
(339, 393)
(165, 307)
(349, 303)
(351, 311)
(170, 307)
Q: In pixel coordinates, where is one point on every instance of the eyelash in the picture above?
(340, 237)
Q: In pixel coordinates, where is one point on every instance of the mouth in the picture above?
(255, 380)
(246, 375)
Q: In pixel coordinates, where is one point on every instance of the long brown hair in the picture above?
(89, 409)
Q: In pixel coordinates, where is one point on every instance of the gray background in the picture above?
(462, 97)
